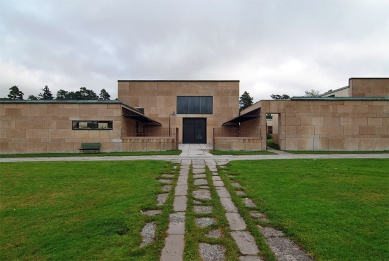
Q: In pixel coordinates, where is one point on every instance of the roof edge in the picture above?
(178, 80)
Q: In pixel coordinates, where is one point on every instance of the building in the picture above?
(158, 115)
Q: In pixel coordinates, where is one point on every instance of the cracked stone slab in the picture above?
(285, 250)
(202, 209)
(236, 221)
(250, 258)
(167, 181)
(169, 176)
(218, 183)
(223, 192)
(177, 224)
(166, 188)
(205, 222)
(148, 234)
(182, 180)
(271, 232)
(174, 248)
(256, 214)
(245, 242)
(199, 176)
(240, 192)
(181, 190)
(212, 252)
(179, 203)
(152, 212)
(249, 203)
(236, 184)
(198, 182)
(202, 194)
(214, 234)
(161, 198)
(228, 205)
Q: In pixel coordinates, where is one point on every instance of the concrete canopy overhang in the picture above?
(138, 116)
(242, 118)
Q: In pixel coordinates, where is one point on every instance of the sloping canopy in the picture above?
(138, 116)
(245, 117)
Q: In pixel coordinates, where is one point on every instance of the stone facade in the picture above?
(159, 101)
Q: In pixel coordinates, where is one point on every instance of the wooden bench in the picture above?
(90, 146)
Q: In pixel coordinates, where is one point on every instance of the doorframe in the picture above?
(205, 129)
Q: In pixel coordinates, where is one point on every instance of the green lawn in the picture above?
(237, 153)
(101, 154)
(79, 210)
(336, 209)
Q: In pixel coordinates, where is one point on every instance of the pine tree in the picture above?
(104, 95)
(245, 101)
(46, 95)
(15, 93)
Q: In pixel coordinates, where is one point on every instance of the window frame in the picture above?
(93, 125)
(194, 105)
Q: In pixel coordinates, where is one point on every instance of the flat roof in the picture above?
(178, 80)
(340, 98)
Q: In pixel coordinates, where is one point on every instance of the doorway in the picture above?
(194, 130)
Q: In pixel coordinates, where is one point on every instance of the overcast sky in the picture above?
(272, 47)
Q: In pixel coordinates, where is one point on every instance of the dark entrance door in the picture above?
(194, 130)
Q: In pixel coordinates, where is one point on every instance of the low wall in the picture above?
(149, 143)
(237, 143)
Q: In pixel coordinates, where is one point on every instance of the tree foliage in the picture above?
(46, 94)
(312, 93)
(245, 101)
(104, 95)
(15, 93)
(32, 98)
(82, 94)
(280, 97)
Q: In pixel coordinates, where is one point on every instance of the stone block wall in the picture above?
(237, 143)
(47, 127)
(159, 100)
(369, 87)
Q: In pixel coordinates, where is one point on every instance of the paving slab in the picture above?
(218, 183)
(216, 233)
(214, 178)
(161, 198)
(148, 234)
(228, 205)
(240, 193)
(186, 162)
(250, 258)
(285, 250)
(166, 188)
(204, 187)
(256, 214)
(198, 182)
(271, 232)
(202, 209)
(177, 224)
(198, 171)
(167, 181)
(236, 184)
(174, 248)
(245, 242)
(182, 180)
(202, 194)
(152, 212)
(249, 203)
(179, 203)
(212, 252)
(198, 166)
(197, 202)
(223, 192)
(199, 176)
(169, 176)
(205, 222)
(181, 190)
(236, 221)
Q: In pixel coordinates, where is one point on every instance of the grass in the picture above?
(237, 153)
(336, 152)
(101, 154)
(337, 209)
(80, 210)
(273, 145)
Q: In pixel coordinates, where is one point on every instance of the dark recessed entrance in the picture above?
(194, 130)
